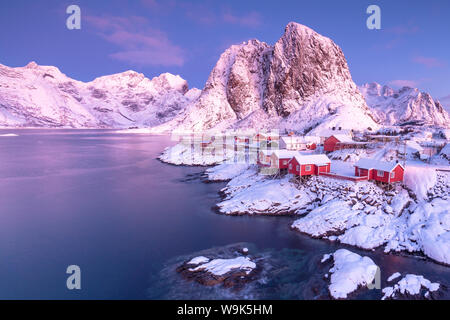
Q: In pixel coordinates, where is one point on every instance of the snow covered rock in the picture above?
(407, 105)
(232, 272)
(350, 272)
(410, 286)
(420, 180)
(219, 267)
(255, 194)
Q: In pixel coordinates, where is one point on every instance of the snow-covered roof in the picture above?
(344, 138)
(297, 139)
(377, 164)
(317, 159)
(284, 154)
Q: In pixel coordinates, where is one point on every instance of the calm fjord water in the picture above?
(103, 201)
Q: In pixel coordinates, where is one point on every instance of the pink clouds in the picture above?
(428, 62)
(138, 43)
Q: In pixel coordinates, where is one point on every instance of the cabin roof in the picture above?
(377, 164)
(316, 159)
(284, 154)
(343, 138)
(300, 139)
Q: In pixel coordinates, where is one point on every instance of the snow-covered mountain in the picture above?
(42, 96)
(301, 83)
(406, 105)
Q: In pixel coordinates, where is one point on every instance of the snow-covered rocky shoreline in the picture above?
(414, 218)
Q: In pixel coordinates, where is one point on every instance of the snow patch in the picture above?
(219, 267)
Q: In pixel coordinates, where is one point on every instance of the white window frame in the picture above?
(290, 166)
(380, 173)
(298, 168)
(308, 168)
(285, 162)
(392, 174)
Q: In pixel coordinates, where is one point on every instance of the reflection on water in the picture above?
(103, 201)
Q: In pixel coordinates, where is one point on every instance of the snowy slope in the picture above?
(406, 105)
(301, 83)
(42, 96)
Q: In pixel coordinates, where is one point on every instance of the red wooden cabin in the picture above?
(306, 165)
(280, 158)
(387, 172)
(337, 142)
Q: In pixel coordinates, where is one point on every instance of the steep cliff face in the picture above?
(300, 83)
(403, 106)
(303, 65)
(42, 96)
(233, 91)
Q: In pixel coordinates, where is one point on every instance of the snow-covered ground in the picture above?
(349, 272)
(368, 217)
(185, 154)
(226, 171)
(250, 192)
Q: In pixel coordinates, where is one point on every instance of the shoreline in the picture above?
(332, 236)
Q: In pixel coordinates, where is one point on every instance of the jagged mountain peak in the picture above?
(403, 106)
(47, 72)
(168, 81)
(32, 65)
(300, 83)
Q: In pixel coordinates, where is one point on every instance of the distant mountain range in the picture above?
(42, 96)
(301, 83)
(404, 106)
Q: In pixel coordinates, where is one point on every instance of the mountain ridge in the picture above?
(403, 106)
(42, 96)
(301, 83)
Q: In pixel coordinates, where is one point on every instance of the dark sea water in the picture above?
(103, 201)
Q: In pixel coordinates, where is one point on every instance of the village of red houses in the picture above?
(303, 156)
